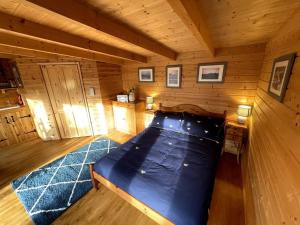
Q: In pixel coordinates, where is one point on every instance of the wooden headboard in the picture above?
(191, 109)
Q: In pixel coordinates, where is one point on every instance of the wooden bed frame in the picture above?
(191, 109)
(98, 179)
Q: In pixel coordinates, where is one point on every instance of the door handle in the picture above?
(34, 130)
(21, 117)
(7, 120)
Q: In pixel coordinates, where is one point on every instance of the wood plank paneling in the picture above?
(93, 19)
(21, 26)
(237, 22)
(272, 164)
(24, 46)
(239, 87)
(111, 84)
(90, 79)
(230, 23)
(190, 14)
(58, 93)
(43, 16)
(110, 77)
(64, 87)
(38, 100)
(105, 79)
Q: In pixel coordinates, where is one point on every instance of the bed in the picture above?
(168, 170)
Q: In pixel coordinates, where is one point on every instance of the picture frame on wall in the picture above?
(146, 74)
(211, 72)
(281, 72)
(173, 76)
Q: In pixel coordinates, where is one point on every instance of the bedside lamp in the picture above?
(243, 112)
(149, 102)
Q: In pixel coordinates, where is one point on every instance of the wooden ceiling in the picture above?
(159, 25)
(230, 22)
(153, 17)
(244, 22)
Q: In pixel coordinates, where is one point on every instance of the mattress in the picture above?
(171, 172)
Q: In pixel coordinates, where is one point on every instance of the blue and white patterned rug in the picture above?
(48, 191)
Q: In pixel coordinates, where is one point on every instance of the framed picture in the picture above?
(281, 71)
(146, 74)
(173, 76)
(211, 72)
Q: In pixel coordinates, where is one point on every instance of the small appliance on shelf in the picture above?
(122, 98)
(131, 95)
(128, 96)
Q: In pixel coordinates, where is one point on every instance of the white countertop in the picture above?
(10, 107)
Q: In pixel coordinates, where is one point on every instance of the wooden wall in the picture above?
(240, 84)
(38, 99)
(90, 78)
(110, 78)
(272, 164)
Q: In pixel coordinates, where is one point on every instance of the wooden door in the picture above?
(24, 124)
(10, 132)
(16, 126)
(65, 90)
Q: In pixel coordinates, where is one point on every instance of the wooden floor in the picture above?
(104, 207)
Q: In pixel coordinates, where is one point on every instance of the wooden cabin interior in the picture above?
(129, 112)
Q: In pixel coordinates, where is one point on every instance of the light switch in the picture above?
(91, 91)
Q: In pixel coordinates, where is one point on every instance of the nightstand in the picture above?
(236, 136)
(144, 118)
(148, 117)
(125, 116)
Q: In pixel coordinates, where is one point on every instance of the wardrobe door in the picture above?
(77, 100)
(67, 99)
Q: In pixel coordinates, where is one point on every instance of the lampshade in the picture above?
(244, 110)
(149, 100)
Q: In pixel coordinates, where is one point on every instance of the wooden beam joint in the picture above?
(190, 14)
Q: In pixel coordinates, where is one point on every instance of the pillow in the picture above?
(167, 120)
(202, 126)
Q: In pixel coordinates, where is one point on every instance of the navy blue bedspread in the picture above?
(171, 172)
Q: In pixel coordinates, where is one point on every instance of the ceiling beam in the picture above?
(6, 56)
(25, 27)
(15, 52)
(190, 14)
(24, 42)
(84, 14)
